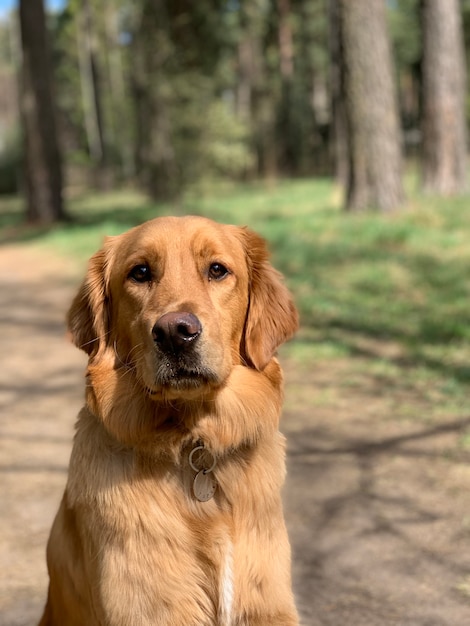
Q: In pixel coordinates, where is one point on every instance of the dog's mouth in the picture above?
(179, 374)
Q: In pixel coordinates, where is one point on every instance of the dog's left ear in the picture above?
(272, 317)
(88, 316)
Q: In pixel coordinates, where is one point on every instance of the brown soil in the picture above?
(378, 507)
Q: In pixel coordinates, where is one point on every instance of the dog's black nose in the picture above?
(174, 332)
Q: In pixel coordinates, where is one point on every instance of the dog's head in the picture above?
(180, 301)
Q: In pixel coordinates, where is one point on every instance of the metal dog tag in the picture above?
(204, 486)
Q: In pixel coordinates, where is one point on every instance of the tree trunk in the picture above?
(245, 80)
(152, 53)
(374, 177)
(444, 127)
(286, 116)
(90, 111)
(256, 100)
(120, 128)
(339, 146)
(286, 47)
(43, 173)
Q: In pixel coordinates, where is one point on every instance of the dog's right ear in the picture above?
(272, 317)
(88, 317)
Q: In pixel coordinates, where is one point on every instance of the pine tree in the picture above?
(42, 171)
(374, 144)
(444, 78)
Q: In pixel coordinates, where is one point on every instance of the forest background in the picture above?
(166, 95)
(338, 130)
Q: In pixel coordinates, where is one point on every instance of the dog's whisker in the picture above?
(98, 338)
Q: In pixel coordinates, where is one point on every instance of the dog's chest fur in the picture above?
(163, 541)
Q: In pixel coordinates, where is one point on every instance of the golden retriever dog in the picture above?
(172, 512)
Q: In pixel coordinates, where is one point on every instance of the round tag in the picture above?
(204, 486)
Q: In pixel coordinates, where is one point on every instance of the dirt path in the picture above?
(378, 508)
(40, 391)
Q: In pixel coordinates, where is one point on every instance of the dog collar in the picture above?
(204, 484)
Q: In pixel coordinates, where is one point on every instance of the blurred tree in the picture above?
(173, 92)
(405, 30)
(281, 84)
(154, 61)
(182, 77)
(69, 97)
(91, 52)
(339, 134)
(259, 71)
(10, 149)
(304, 116)
(177, 92)
(117, 15)
(42, 172)
(374, 174)
(444, 92)
(90, 78)
(465, 9)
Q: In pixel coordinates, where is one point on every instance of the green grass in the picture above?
(391, 292)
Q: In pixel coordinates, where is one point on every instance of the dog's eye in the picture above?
(140, 273)
(217, 271)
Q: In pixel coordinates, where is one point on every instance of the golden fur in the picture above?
(131, 545)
